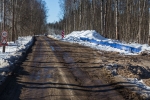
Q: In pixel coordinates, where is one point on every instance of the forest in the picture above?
(125, 20)
(22, 17)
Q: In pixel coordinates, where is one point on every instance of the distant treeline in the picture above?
(125, 20)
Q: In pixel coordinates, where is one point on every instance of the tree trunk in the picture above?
(3, 20)
(116, 19)
(74, 20)
(13, 37)
(140, 20)
(149, 26)
(1, 14)
(128, 18)
(80, 16)
(102, 17)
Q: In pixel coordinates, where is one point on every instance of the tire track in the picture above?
(85, 80)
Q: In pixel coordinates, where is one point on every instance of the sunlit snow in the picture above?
(13, 51)
(75, 36)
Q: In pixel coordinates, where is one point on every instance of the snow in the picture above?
(12, 53)
(142, 88)
(91, 34)
(75, 37)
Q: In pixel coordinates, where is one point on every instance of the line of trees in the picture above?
(22, 17)
(125, 20)
(54, 28)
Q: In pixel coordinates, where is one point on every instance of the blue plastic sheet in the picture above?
(114, 45)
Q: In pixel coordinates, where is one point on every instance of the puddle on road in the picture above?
(48, 76)
(38, 77)
(45, 69)
(52, 48)
(44, 73)
(67, 58)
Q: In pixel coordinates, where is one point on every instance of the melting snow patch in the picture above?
(143, 88)
(13, 53)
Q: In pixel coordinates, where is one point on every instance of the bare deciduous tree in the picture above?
(126, 20)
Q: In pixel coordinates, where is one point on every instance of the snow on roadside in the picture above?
(74, 37)
(142, 87)
(12, 53)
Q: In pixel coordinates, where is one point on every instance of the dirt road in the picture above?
(55, 70)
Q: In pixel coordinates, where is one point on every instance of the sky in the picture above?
(53, 13)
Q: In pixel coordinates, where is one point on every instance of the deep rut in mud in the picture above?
(55, 70)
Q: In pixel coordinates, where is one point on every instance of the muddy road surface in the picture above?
(55, 70)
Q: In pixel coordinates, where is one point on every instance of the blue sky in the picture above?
(53, 10)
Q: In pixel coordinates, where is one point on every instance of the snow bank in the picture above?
(12, 53)
(91, 34)
(93, 39)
